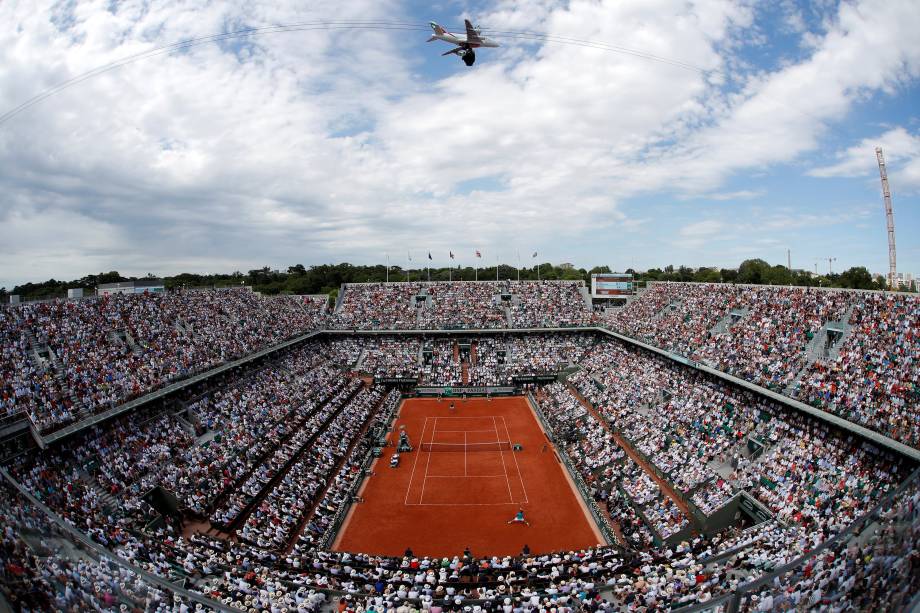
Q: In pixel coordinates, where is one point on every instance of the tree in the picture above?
(777, 275)
(753, 271)
(857, 277)
(707, 275)
(728, 275)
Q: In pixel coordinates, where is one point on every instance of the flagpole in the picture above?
(496, 267)
(408, 265)
(519, 265)
(388, 268)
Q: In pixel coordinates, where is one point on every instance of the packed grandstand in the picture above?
(257, 417)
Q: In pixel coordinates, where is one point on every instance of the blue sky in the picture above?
(330, 145)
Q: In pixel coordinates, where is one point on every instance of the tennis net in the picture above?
(496, 446)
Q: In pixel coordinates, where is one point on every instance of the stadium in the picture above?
(465, 432)
(244, 452)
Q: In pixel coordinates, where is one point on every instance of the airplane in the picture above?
(465, 45)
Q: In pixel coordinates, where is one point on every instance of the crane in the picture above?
(889, 215)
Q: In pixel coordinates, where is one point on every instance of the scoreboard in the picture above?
(612, 284)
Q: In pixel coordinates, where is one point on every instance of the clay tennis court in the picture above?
(462, 483)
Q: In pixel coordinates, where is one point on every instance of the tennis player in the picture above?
(519, 518)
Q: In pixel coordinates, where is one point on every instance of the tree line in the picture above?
(327, 278)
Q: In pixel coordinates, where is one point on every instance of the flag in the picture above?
(534, 254)
(478, 255)
(429, 255)
(409, 255)
(451, 255)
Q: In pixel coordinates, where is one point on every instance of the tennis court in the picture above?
(466, 461)
(463, 482)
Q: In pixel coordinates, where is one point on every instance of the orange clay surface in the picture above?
(437, 503)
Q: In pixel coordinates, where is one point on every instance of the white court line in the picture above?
(463, 477)
(490, 430)
(422, 438)
(479, 417)
(464, 454)
(460, 504)
(502, 454)
(428, 463)
(518, 466)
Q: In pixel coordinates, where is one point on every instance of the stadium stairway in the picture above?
(730, 319)
(183, 326)
(107, 500)
(820, 347)
(360, 361)
(465, 373)
(666, 309)
(586, 296)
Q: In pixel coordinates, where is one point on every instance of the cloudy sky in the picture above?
(754, 134)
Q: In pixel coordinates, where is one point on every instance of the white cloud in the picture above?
(327, 145)
(704, 228)
(902, 159)
(742, 194)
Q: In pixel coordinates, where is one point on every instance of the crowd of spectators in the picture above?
(391, 356)
(245, 421)
(875, 378)
(442, 365)
(272, 455)
(545, 304)
(490, 360)
(606, 469)
(877, 570)
(273, 524)
(42, 569)
(64, 360)
(378, 306)
(462, 305)
(778, 337)
(28, 385)
(95, 353)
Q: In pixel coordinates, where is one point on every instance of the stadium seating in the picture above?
(461, 305)
(851, 353)
(92, 354)
(273, 453)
